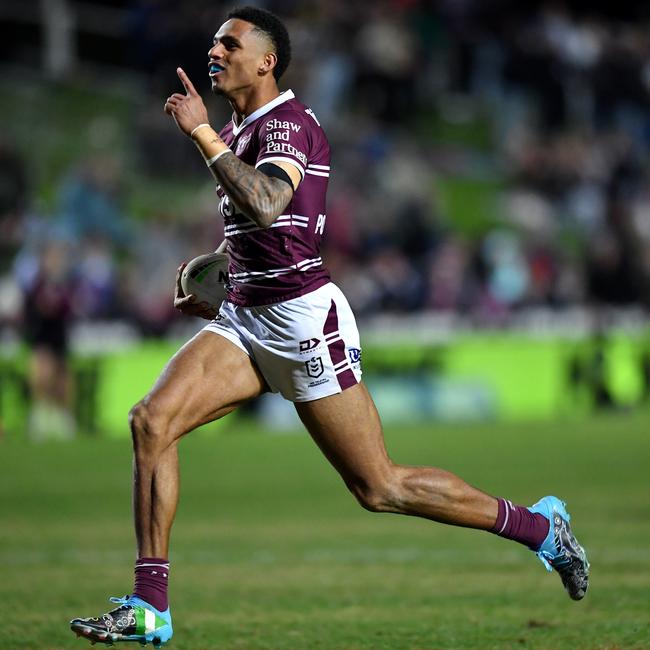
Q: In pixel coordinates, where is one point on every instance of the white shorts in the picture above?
(305, 348)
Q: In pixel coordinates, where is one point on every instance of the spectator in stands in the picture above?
(47, 312)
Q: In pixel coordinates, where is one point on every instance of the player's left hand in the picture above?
(187, 110)
(188, 305)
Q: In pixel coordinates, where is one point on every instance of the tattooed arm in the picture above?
(260, 197)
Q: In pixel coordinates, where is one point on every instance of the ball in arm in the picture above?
(206, 276)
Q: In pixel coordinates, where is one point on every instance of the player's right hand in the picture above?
(188, 304)
(188, 110)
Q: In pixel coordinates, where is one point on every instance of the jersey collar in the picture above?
(262, 110)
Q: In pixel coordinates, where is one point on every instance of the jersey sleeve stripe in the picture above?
(293, 161)
(314, 173)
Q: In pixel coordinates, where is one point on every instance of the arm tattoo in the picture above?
(260, 197)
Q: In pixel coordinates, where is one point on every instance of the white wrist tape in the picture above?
(196, 128)
(210, 161)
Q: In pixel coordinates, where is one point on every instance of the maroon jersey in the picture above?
(283, 261)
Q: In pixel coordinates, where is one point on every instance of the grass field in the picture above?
(270, 551)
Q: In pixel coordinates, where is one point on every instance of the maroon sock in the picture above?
(520, 524)
(151, 576)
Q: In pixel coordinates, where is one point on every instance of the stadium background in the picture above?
(488, 218)
(491, 176)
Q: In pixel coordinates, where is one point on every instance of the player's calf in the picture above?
(426, 492)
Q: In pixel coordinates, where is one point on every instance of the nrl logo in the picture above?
(314, 367)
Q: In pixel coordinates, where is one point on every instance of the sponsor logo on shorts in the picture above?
(314, 367)
(354, 354)
(309, 344)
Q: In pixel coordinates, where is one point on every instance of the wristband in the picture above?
(196, 128)
(210, 161)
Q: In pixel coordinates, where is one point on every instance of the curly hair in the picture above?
(273, 28)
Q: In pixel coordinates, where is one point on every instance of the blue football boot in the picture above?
(134, 620)
(561, 550)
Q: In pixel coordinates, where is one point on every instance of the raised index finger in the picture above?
(185, 80)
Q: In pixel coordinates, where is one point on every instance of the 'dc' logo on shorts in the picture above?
(354, 354)
(308, 344)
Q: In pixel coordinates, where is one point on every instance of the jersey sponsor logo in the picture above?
(241, 145)
(309, 344)
(320, 224)
(279, 124)
(277, 135)
(314, 367)
(284, 147)
(354, 354)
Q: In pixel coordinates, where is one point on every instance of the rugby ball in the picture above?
(206, 276)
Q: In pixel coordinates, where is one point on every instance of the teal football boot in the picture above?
(561, 550)
(134, 620)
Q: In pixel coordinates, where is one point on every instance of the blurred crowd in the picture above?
(559, 96)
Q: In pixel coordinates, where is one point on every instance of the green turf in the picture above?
(269, 550)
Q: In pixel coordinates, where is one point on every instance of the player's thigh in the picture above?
(207, 378)
(347, 429)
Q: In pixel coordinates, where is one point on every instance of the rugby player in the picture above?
(285, 327)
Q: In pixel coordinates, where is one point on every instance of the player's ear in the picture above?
(268, 63)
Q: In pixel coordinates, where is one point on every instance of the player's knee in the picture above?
(149, 425)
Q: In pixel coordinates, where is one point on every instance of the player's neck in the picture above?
(248, 101)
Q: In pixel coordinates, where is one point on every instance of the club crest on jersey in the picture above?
(314, 367)
(243, 142)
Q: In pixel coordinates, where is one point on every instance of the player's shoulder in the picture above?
(293, 106)
(294, 111)
(290, 131)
